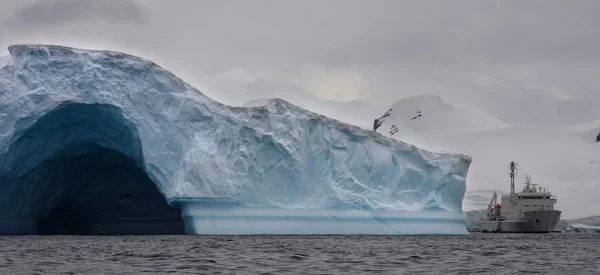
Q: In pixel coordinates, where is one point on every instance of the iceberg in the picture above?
(584, 228)
(101, 142)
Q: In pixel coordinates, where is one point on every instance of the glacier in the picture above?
(101, 142)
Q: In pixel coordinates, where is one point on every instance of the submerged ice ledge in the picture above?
(222, 217)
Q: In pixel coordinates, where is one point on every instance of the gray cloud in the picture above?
(58, 12)
(379, 50)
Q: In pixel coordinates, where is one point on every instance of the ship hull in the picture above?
(538, 221)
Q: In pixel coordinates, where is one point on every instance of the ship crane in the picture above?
(494, 201)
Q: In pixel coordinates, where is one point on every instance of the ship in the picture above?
(529, 211)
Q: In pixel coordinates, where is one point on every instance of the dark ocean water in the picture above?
(476, 254)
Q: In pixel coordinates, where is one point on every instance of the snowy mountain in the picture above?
(432, 113)
(100, 142)
(565, 158)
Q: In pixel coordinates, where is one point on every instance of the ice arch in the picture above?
(79, 169)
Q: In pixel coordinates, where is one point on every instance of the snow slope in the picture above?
(272, 169)
(432, 113)
(530, 107)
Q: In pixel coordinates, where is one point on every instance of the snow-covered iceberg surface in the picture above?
(99, 142)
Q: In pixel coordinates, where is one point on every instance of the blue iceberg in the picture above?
(100, 142)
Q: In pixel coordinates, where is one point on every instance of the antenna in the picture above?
(513, 169)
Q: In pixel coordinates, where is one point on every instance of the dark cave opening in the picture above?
(78, 171)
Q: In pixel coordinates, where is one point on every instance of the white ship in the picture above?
(529, 211)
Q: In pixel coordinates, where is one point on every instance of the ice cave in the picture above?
(79, 169)
(101, 142)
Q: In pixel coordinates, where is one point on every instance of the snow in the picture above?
(531, 107)
(432, 113)
(229, 169)
(6, 61)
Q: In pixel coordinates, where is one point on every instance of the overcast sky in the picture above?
(376, 50)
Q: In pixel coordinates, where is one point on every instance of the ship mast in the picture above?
(513, 172)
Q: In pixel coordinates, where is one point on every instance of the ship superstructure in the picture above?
(528, 211)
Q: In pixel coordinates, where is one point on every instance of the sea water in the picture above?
(185, 254)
